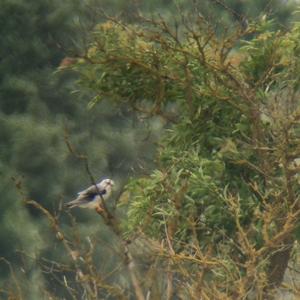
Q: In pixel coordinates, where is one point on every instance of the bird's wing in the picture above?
(91, 192)
(86, 196)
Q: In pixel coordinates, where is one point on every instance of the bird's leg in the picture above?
(99, 209)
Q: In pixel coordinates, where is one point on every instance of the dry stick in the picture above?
(14, 279)
(60, 236)
(170, 288)
(112, 223)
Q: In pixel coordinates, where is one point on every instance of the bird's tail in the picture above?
(72, 204)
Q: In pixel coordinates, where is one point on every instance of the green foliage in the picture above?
(224, 166)
(211, 174)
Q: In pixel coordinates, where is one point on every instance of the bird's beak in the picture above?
(111, 183)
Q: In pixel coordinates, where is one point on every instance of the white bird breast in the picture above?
(97, 200)
(94, 203)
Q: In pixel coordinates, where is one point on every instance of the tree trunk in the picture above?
(278, 264)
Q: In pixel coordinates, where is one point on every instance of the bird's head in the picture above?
(107, 184)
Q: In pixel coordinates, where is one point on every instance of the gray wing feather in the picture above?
(78, 201)
(86, 196)
(90, 190)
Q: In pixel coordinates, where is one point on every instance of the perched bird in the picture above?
(91, 197)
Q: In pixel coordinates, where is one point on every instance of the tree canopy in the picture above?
(224, 196)
(213, 88)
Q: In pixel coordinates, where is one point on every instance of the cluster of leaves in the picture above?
(226, 184)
